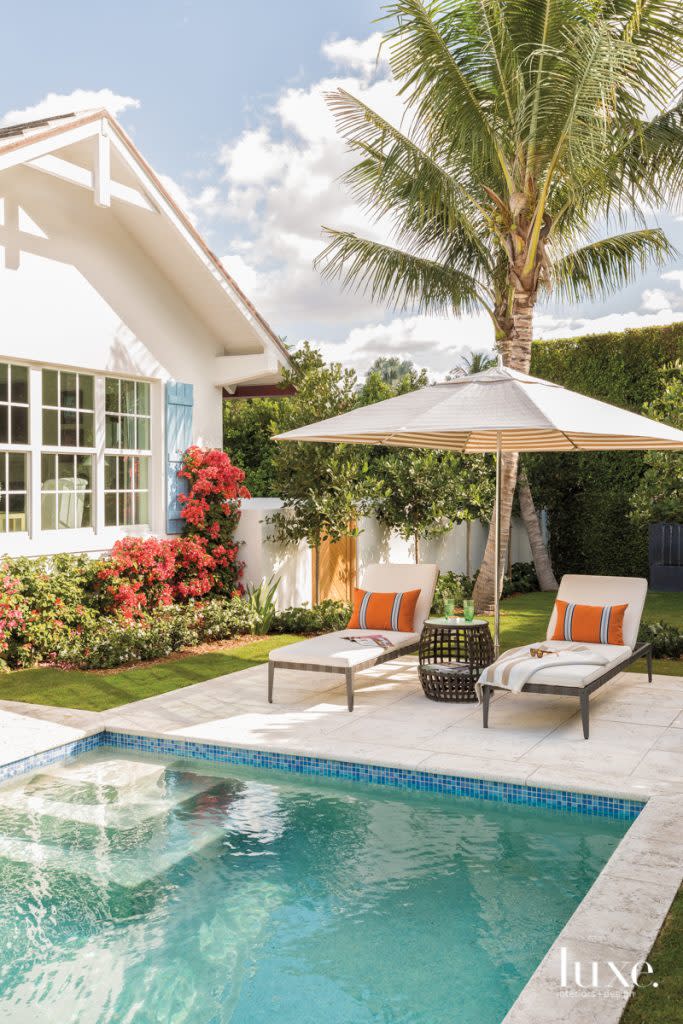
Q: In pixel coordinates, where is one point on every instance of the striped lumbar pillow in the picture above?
(383, 611)
(593, 624)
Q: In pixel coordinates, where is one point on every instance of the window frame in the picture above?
(121, 453)
(22, 448)
(98, 534)
(6, 493)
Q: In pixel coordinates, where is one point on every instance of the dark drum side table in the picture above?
(452, 654)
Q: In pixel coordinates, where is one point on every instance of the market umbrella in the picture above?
(499, 410)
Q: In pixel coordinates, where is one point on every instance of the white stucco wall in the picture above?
(263, 558)
(292, 564)
(86, 296)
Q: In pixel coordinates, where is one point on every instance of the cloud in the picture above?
(360, 55)
(433, 343)
(66, 103)
(279, 183)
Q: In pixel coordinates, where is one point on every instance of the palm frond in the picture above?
(438, 56)
(397, 178)
(398, 278)
(600, 269)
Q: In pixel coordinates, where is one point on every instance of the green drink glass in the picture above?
(468, 610)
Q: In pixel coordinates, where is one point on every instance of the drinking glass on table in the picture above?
(468, 610)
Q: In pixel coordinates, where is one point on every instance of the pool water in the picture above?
(136, 890)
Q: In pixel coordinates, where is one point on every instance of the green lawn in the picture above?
(524, 618)
(95, 691)
(664, 1004)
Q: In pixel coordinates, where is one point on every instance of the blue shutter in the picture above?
(179, 402)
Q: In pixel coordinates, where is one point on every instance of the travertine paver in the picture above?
(635, 749)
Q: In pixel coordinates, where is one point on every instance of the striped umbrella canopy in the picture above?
(499, 410)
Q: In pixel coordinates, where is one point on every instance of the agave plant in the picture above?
(530, 127)
(262, 602)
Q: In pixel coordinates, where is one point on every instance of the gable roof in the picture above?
(34, 141)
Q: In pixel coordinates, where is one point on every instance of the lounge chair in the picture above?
(583, 680)
(333, 653)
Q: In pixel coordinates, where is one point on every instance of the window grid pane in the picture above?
(126, 492)
(127, 415)
(13, 492)
(14, 402)
(68, 409)
(66, 491)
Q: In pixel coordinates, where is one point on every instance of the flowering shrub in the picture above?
(150, 597)
(211, 511)
(55, 597)
(11, 611)
(147, 573)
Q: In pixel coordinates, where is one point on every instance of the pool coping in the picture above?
(630, 898)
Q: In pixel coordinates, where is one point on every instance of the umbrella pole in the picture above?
(496, 549)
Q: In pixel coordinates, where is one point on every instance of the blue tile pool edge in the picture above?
(412, 779)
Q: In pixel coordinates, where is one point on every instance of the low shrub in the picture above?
(522, 579)
(326, 617)
(451, 586)
(221, 619)
(114, 640)
(666, 639)
(456, 586)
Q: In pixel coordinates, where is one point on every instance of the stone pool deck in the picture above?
(635, 750)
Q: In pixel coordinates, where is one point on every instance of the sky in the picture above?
(226, 101)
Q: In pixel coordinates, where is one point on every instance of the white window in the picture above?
(127, 452)
(66, 465)
(68, 409)
(66, 491)
(13, 404)
(75, 451)
(13, 492)
(14, 433)
(127, 415)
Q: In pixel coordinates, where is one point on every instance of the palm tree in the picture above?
(392, 369)
(527, 124)
(472, 362)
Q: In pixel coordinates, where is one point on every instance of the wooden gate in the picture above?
(337, 570)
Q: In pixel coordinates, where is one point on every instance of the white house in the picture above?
(119, 331)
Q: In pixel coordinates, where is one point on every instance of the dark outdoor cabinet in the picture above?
(666, 556)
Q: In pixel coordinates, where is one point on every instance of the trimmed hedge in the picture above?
(587, 494)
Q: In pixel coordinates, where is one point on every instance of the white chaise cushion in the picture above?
(577, 675)
(333, 651)
(603, 590)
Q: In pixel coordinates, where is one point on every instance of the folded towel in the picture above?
(514, 669)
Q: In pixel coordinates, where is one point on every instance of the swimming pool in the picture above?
(146, 889)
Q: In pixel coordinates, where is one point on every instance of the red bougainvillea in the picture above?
(211, 511)
(145, 573)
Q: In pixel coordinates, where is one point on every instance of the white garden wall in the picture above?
(263, 558)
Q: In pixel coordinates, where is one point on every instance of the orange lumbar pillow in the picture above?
(383, 611)
(593, 624)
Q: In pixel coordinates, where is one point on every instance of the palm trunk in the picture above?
(417, 548)
(485, 587)
(544, 569)
(516, 351)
